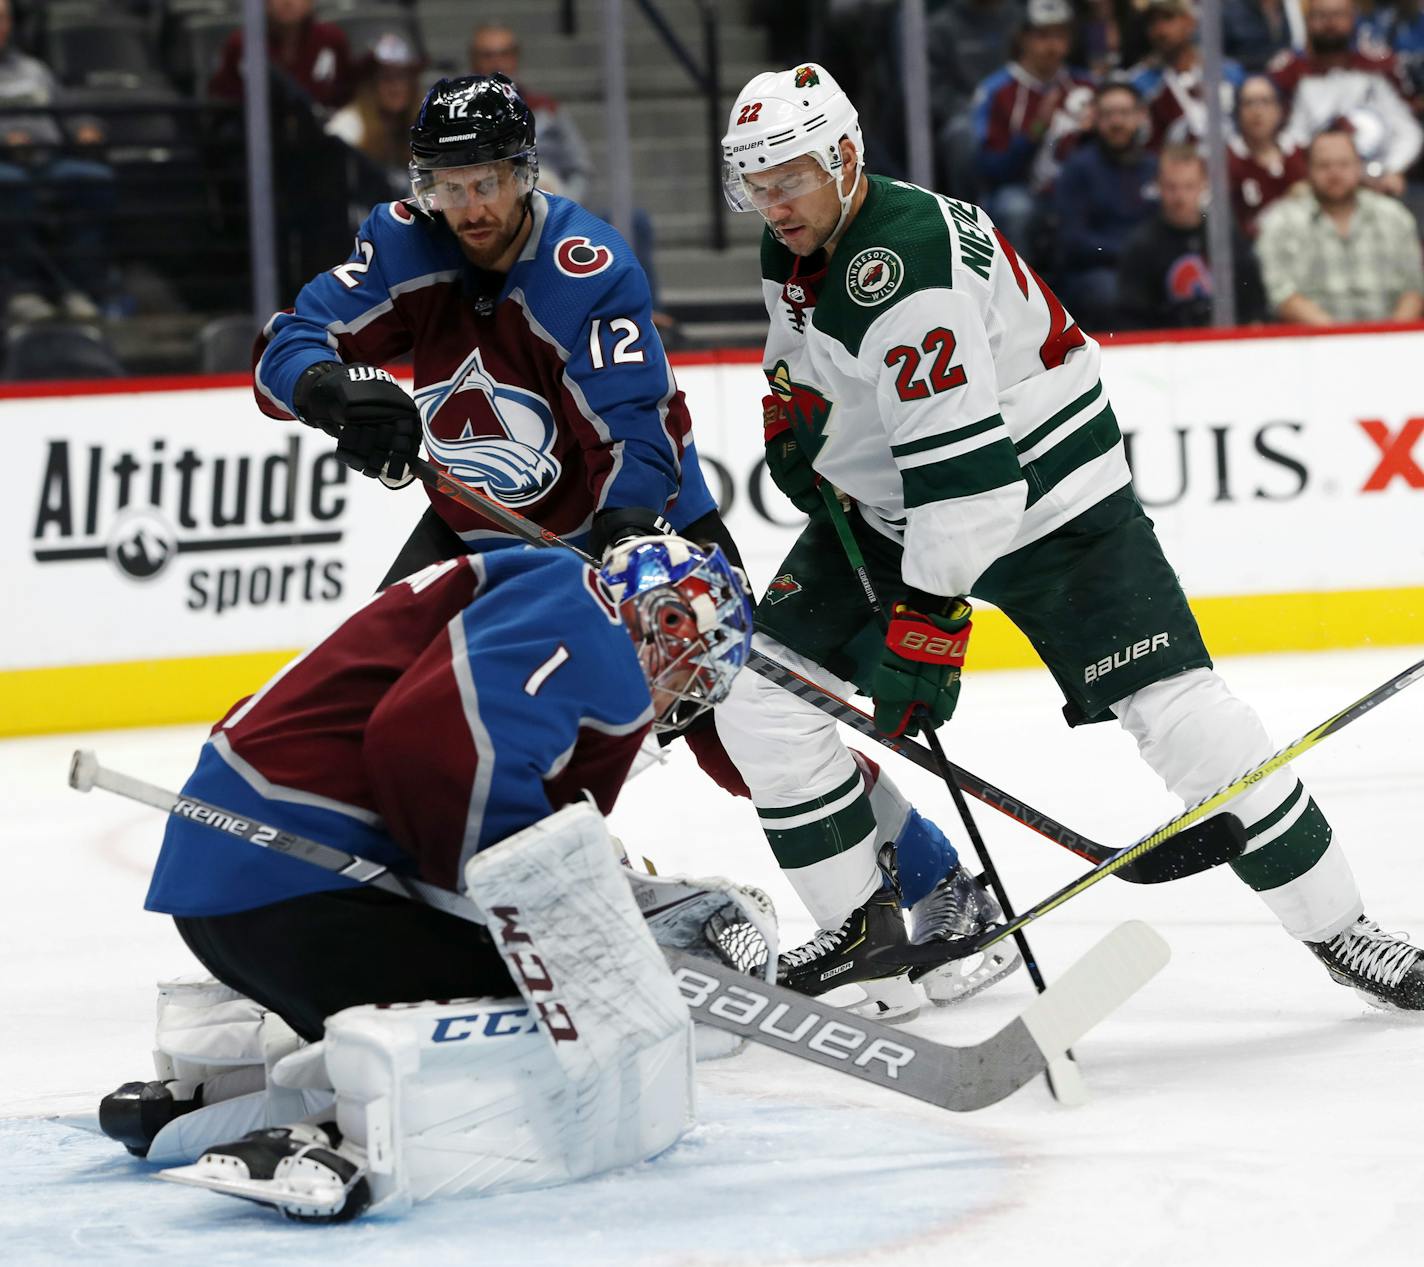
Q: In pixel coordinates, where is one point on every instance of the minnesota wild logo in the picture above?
(874, 275)
(781, 587)
(806, 77)
(807, 409)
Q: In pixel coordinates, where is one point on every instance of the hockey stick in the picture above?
(957, 1078)
(1207, 805)
(1217, 840)
(1204, 849)
(1064, 1080)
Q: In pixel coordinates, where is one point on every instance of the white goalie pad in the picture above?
(210, 1036)
(590, 1070)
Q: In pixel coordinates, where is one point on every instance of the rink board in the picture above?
(167, 546)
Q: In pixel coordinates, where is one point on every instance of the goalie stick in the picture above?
(1194, 813)
(956, 1078)
(1206, 846)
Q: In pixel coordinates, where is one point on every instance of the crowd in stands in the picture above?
(1079, 125)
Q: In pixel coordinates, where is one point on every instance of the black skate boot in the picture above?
(958, 906)
(300, 1170)
(1385, 970)
(137, 1111)
(840, 956)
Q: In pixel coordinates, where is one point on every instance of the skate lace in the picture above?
(1367, 949)
(823, 943)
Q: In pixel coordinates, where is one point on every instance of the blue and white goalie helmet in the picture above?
(687, 610)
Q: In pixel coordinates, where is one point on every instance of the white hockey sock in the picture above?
(808, 790)
(1198, 737)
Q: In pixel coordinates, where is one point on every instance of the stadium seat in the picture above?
(49, 351)
(101, 50)
(225, 345)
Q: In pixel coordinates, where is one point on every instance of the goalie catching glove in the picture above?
(920, 667)
(374, 421)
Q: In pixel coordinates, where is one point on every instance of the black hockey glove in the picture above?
(611, 527)
(375, 423)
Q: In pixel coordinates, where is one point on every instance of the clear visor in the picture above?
(455, 188)
(756, 191)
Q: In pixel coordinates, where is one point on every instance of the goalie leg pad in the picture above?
(469, 1097)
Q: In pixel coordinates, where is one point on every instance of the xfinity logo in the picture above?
(1120, 659)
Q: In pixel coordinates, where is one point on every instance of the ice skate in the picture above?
(299, 1170)
(958, 906)
(841, 956)
(1385, 970)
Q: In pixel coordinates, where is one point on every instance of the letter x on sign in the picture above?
(1396, 454)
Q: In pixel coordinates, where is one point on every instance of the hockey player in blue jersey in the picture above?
(451, 713)
(539, 375)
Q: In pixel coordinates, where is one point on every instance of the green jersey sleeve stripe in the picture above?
(925, 443)
(815, 803)
(1094, 438)
(992, 466)
(1068, 410)
(814, 842)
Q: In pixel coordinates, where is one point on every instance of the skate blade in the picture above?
(950, 983)
(321, 1199)
(893, 1000)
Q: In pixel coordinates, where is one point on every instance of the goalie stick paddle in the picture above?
(956, 1078)
(1207, 846)
(1207, 805)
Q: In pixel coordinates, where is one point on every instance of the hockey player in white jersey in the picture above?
(920, 366)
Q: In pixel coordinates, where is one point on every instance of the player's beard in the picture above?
(486, 252)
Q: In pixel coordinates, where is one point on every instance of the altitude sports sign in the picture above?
(166, 550)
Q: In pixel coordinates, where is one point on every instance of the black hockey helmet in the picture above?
(469, 120)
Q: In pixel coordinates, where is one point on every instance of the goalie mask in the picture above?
(480, 125)
(690, 618)
(779, 116)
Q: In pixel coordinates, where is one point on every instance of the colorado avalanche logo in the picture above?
(578, 257)
(516, 467)
(1189, 278)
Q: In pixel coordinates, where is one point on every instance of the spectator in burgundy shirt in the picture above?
(1262, 165)
(1013, 109)
(1170, 76)
(313, 55)
(1334, 84)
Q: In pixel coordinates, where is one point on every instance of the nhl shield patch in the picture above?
(874, 275)
(781, 587)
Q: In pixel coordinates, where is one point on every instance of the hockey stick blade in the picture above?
(961, 1079)
(1207, 845)
(957, 1078)
(958, 948)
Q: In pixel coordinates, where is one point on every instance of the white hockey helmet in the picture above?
(781, 115)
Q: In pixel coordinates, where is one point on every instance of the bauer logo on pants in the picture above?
(1121, 659)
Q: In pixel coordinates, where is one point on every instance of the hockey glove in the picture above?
(919, 668)
(786, 461)
(610, 527)
(374, 421)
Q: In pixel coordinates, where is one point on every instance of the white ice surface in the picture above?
(1244, 1108)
